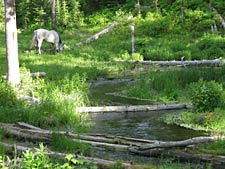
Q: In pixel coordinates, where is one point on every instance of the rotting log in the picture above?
(33, 75)
(96, 161)
(215, 62)
(183, 143)
(151, 148)
(114, 81)
(97, 35)
(38, 74)
(132, 108)
(102, 138)
(181, 155)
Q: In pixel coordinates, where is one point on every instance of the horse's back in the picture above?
(48, 35)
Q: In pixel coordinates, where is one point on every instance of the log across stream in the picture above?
(136, 124)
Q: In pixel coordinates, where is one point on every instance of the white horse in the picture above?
(50, 36)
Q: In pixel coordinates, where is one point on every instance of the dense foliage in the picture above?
(191, 14)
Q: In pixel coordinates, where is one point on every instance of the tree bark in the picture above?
(132, 38)
(53, 13)
(11, 43)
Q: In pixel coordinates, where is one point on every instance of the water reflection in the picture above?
(145, 125)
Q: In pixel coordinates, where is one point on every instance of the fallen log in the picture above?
(97, 161)
(184, 143)
(46, 135)
(131, 145)
(215, 62)
(114, 81)
(132, 108)
(97, 35)
(182, 155)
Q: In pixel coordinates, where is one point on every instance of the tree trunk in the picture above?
(132, 38)
(53, 13)
(11, 43)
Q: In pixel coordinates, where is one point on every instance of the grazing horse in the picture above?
(50, 36)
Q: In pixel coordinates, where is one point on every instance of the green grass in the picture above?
(62, 144)
(64, 88)
(171, 85)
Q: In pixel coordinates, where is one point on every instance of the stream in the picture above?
(142, 125)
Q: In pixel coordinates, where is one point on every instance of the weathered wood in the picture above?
(45, 135)
(96, 36)
(184, 143)
(22, 124)
(97, 161)
(132, 108)
(117, 147)
(29, 134)
(113, 81)
(34, 74)
(132, 38)
(131, 145)
(215, 62)
(181, 155)
(38, 74)
(219, 16)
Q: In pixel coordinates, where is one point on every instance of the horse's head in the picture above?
(61, 47)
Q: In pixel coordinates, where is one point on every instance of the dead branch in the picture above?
(219, 16)
(97, 161)
(97, 35)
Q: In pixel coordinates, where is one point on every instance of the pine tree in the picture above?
(64, 14)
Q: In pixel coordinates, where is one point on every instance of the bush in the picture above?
(206, 95)
(8, 96)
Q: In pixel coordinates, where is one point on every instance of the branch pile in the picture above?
(151, 148)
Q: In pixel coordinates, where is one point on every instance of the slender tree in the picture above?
(53, 5)
(11, 43)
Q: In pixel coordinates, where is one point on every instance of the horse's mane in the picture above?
(60, 40)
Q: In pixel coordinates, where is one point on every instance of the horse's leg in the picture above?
(39, 43)
(36, 45)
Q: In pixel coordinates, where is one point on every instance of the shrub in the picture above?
(205, 95)
(7, 95)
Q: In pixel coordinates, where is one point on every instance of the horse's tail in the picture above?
(33, 40)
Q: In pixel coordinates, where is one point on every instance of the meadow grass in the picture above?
(171, 85)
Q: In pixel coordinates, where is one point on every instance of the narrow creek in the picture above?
(143, 125)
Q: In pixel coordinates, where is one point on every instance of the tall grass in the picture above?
(172, 85)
